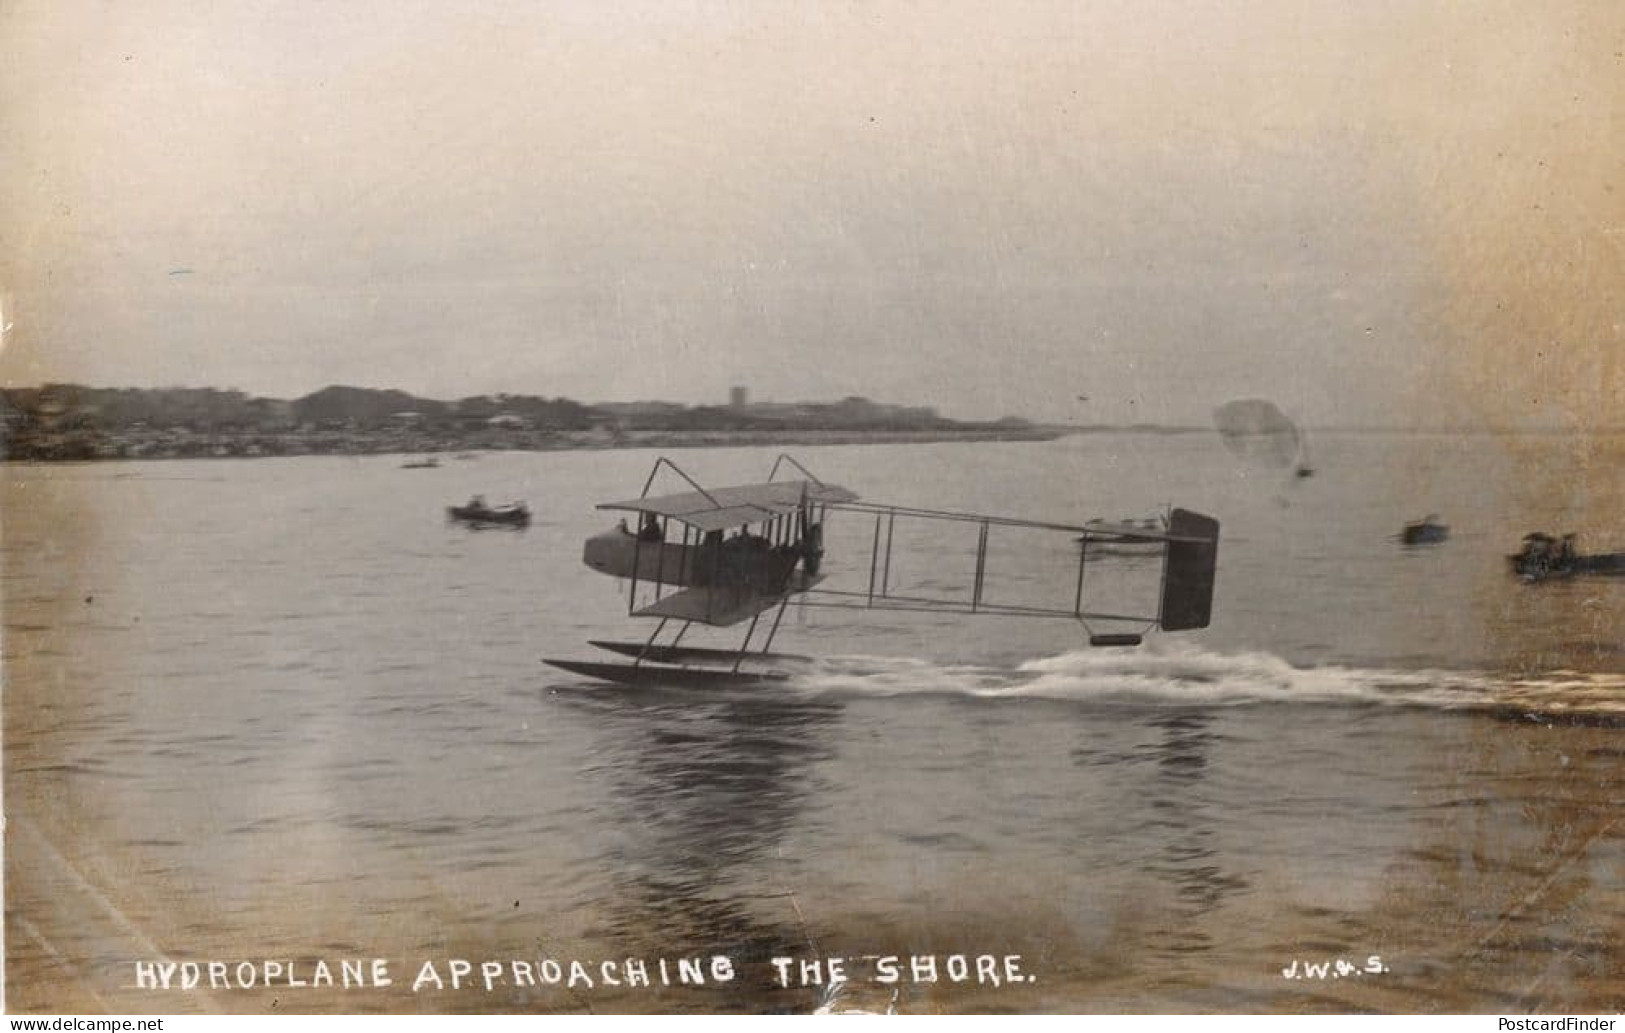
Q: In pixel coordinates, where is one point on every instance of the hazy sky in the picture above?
(1365, 211)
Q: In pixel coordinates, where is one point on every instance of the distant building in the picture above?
(737, 398)
(640, 410)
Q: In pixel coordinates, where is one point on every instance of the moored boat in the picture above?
(1544, 556)
(1121, 540)
(477, 514)
(1427, 531)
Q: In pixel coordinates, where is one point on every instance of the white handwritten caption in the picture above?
(1333, 968)
(786, 972)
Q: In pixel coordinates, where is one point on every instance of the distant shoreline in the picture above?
(357, 443)
(152, 443)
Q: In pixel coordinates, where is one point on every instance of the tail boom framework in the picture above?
(1187, 548)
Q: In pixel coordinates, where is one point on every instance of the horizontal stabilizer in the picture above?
(1187, 581)
(1102, 641)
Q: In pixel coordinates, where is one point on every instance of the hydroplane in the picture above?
(718, 557)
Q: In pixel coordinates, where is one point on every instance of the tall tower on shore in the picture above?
(736, 397)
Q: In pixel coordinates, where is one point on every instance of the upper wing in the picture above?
(717, 509)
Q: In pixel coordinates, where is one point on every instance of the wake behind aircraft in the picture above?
(718, 557)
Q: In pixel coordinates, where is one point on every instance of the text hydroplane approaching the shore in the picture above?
(741, 551)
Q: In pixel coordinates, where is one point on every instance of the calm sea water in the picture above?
(280, 709)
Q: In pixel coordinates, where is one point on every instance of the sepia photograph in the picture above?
(688, 507)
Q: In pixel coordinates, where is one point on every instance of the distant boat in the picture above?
(1544, 556)
(1427, 531)
(426, 463)
(1119, 539)
(477, 514)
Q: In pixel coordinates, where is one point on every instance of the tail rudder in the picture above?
(1188, 574)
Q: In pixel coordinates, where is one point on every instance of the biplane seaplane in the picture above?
(719, 557)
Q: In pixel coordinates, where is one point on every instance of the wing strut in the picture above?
(774, 630)
(745, 645)
(650, 644)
